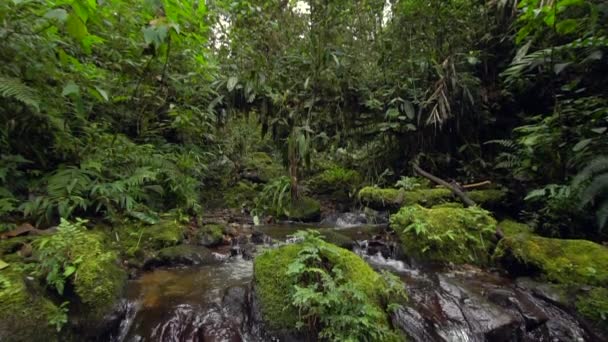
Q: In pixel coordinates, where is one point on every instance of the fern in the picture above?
(14, 88)
(592, 186)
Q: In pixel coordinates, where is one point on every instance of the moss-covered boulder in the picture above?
(136, 242)
(511, 228)
(210, 235)
(272, 285)
(336, 182)
(98, 281)
(305, 209)
(25, 314)
(458, 235)
(558, 260)
(379, 198)
(259, 166)
(242, 194)
(593, 305)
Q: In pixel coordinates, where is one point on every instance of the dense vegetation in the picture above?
(136, 114)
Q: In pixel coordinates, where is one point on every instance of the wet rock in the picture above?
(181, 255)
(345, 220)
(246, 250)
(210, 235)
(258, 237)
(234, 303)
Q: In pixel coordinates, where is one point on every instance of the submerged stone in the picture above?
(558, 260)
(458, 235)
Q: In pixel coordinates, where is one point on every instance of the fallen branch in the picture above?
(471, 186)
(458, 192)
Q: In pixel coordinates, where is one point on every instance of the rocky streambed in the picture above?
(213, 301)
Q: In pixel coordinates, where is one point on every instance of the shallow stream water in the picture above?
(460, 303)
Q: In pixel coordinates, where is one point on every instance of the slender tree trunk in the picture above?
(465, 199)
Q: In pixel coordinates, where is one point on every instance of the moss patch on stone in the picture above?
(338, 182)
(593, 305)
(559, 260)
(379, 198)
(242, 194)
(98, 280)
(458, 235)
(24, 311)
(263, 166)
(511, 228)
(305, 209)
(273, 286)
(210, 235)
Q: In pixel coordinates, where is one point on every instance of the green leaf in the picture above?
(3, 264)
(567, 26)
(69, 271)
(409, 110)
(76, 27)
(232, 81)
(581, 145)
(70, 88)
(102, 92)
(57, 14)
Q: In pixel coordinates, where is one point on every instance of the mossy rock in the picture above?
(511, 228)
(24, 311)
(99, 281)
(379, 198)
(305, 209)
(458, 235)
(272, 287)
(210, 235)
(562, 261)
(332, 236)
(263, 166)
(242, 194)
(181, 255)
(164, 234)
(593, 305)
(337, 182)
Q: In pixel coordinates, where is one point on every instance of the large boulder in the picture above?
(305, 209)
(562, 261)
(181, 255)
(337, 182)
(445, 234)
(273, 287)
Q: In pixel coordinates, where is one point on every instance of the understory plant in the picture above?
(329, 305)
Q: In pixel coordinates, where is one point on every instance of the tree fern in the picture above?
(15, 89)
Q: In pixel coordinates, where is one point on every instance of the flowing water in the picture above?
(464, 303)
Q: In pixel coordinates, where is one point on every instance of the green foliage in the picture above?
(592, 185)
(412, 183)
(305, 285)
(458, 235)
(594, 306)
(275, 198)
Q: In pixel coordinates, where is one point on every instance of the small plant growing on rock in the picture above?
(329, 304)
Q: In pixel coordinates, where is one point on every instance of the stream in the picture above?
(452, 303)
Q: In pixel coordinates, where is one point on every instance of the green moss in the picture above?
(448, 205)
(458, 235)
(263, 166)
(24, 311)
(559, 260)
(594, 306)
(210, 235)
(13, 245)
(241, 194)
(305, 209)
(510, 228)
(98, 280)
(273, 287)
(164, 234)
(395, 198)
(336, 181)
(488, 197)
(379, 198)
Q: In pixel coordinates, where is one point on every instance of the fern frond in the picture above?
(13, 88)
(597, 165)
